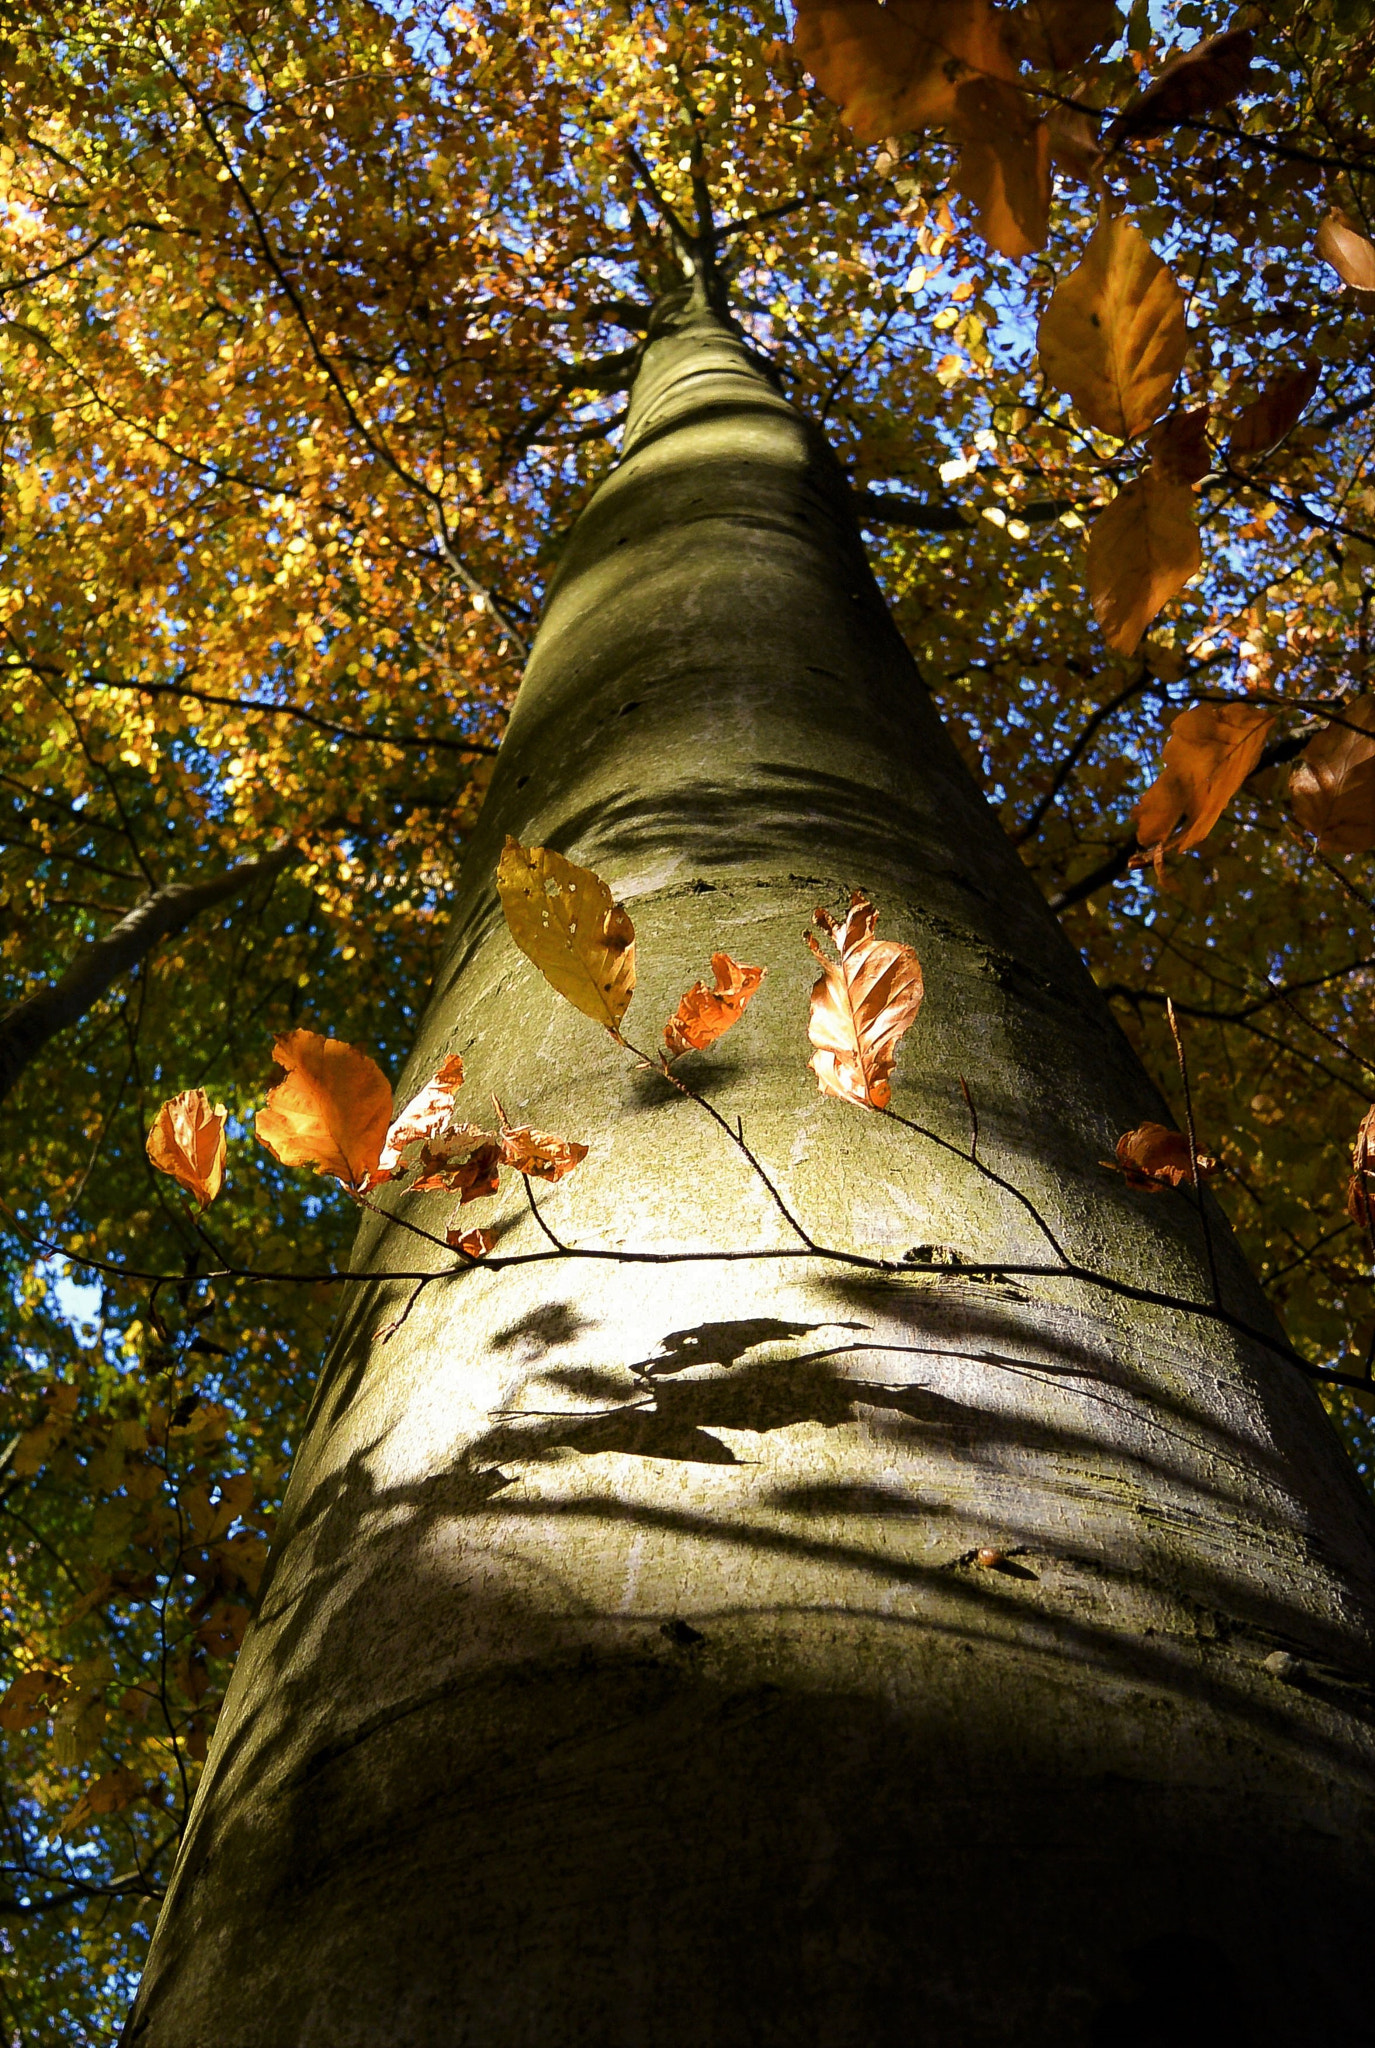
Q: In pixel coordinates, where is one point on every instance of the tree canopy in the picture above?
(318, 328)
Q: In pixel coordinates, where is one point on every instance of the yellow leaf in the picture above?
(1142, 549)
(861, 1006)
(331, 1111)
(1211, 750)
(1332, 787)
(896, 67)
(187, 1142)
(1113, 335)
(566, 920)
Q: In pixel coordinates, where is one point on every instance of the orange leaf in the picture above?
(1263, 424)
(1211, 750)
(1179, 447)
(1113, 334)
(1206, 77)
(1351, 254)
(474, 1244)
(1142, 550)
(187, 1141)
(536, 1153)
(1004, 166)
(424, 1116)
(861, 1007)
(1153, 1157)
(1359, 1187)
(706, 1014)
(463, 1161)
(1332, 786)
(896, 67)
(331, 1111)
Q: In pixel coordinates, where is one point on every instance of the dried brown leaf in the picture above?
(1058, 35)
(424, 1116)
(1153, 1157)
(463, 1160)
(1332, 785)
(110, 1793)
(331, 1111)
(1074, 145)
(1263, 424)
(565, 919)
(706, 1014)
(894, 68)
(1142, 550)
(1004, 165)
(861, 1006)
(1211, 750)
(187, 1141)
(1191, 85)
(1179, 447)
(1113, 335)
(474, 1244)
(537, 1154)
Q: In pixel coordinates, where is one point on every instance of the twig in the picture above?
(1194, 1180)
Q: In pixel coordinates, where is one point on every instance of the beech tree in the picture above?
(807, 1528)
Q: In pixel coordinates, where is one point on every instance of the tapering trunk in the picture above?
(626, 1675)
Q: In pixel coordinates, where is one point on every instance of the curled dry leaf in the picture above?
(1113, 335)
(1350, 252)
(1263, 424)
(896, 67)
(331, 1111)
(474, 1244)
(1191, 85)
(1179, 447)
(462, 1160)
(1153, 1157)
(861, 1006)
(1142, 550)
(706, 1014)
(1004, 165)
(536, 1153)
(1058, 35)
(424, 1116)
(1332, 786)
(187, 1142)
(1361, 1186)
(566, 920)
(1211, 750)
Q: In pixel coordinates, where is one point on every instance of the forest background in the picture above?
(318, 324)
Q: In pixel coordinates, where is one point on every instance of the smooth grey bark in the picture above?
(624, 1676)
(160, 914)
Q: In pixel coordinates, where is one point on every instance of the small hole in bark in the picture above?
(634, 705)
(521, 781)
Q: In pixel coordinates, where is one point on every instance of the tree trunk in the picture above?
(626, 1674)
